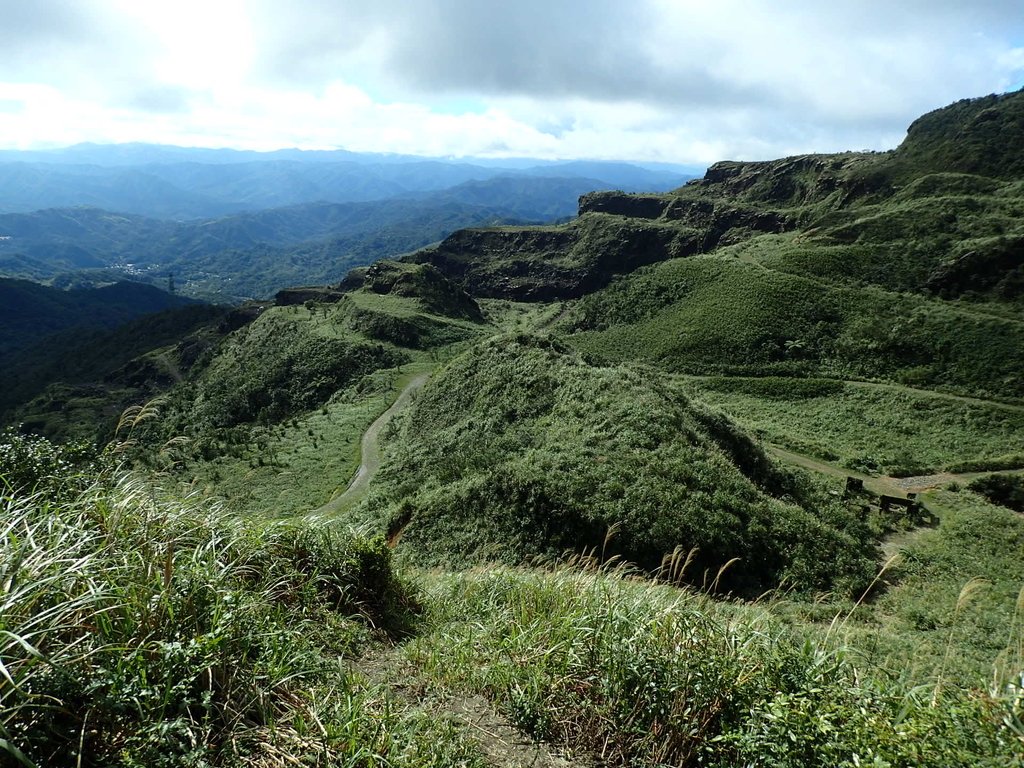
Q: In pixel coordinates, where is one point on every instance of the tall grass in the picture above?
(647, 675)
(138, 629)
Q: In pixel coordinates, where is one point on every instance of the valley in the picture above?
(583, 483)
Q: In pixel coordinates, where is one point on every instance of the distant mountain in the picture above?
(256, 253)
(232, 225)
(234, 257)
(183, 183)
(29, 311)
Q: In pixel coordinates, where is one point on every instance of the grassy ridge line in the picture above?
(519, 447)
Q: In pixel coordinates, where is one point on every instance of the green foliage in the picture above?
(777, 388)
(29, 311)
(971, 136)
(716, 315)
(870, 427)
(649, 676)
(32, 465)
(141, 630)
(277, 367)
(520, 448)
(407, 321)
(992, 464)
(1005, 490)
(433, 291)
(77, 378)
(290, 468)
(952, 609)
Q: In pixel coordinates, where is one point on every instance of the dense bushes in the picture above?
(519, 448)
(275, 368)
(142, 630)
(1005, 490)
(33, 465)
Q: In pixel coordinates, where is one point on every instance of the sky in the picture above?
(676, 81)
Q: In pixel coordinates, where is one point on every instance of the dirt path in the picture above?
(927, 482)
(877, 485)
(501, 744)
(883, 484)
(370, 452)
(1014, 407)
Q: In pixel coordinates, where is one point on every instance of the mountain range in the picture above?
(236, 225)
(181, 183)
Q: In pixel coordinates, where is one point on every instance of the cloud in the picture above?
(82, 48)
(659, 79)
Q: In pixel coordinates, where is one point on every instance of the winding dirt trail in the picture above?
(370, 452)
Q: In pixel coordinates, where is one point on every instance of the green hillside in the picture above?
(716, 314)
(29, 311)
(729, 475)
(518, 448)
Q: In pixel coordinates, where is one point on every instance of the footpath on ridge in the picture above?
(370, 452)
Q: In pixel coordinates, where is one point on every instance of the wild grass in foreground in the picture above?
(140, 630)
(642, 674)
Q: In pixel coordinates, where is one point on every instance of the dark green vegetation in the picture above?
(722, 315)
(74, 384)
(595, 495)
(519, 448)
(90, 353)
(29, 311)
(1004, 490)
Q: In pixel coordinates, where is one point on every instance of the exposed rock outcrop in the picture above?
(319, 293)
(550, 263)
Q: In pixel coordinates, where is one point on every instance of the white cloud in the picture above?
(670, 80)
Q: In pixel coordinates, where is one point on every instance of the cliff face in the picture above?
(860, 193)
(615, 233)
(300, 295)
(550, 263)
(816, 181)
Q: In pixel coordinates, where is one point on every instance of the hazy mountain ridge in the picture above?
(29, 310)
(256, 253)
(182, 183)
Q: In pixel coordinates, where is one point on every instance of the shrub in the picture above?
(144, 630)
(1005, 490)
(32, 464)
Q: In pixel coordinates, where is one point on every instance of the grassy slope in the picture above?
(275, 419)
(519, 448)
(228, 653)
(715, 314)
(509, 438)
(870, 427)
